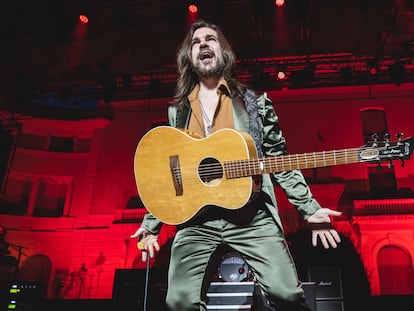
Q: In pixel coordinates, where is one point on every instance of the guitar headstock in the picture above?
(387, 151)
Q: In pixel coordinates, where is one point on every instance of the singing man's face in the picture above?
(206, 53)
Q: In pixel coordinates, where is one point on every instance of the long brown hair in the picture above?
(187, 77)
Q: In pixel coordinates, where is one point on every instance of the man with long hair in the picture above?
(208, 99)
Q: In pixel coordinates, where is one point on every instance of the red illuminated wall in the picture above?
(80, 250)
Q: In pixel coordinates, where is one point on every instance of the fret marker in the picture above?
(261, 165)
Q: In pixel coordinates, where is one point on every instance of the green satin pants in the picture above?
(260, 242)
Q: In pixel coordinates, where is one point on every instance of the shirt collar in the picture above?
(223, 88)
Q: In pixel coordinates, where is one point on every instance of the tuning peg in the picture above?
(387, 136)
(399, 135)
(374, 137)
(390, 164)
(402, 163)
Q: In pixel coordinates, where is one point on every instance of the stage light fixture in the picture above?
(193, 8)
(279, 2)
(372, 65)
(281, 71)
(83, 19)
(85, 11)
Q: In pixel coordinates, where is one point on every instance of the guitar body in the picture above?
(170, 166)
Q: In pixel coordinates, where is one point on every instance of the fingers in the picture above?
(148, 245)
(153, 246)
(137, 233)
(336, 236)
(314, 239)
(329, 238)
(323, 239)
(149, 250)
(144, 255)
(323, 215)
(333, 213)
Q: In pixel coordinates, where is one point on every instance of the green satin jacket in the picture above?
(256, 116)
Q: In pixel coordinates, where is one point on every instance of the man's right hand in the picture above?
(147, 243)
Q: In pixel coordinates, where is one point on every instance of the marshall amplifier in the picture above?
(328, 282)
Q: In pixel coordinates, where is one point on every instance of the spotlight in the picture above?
(193, 8)
(83, 19)
(85, 11)
(281, 71)
(279, 2)
(372, 65)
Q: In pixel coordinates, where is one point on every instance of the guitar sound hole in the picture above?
(210, 171)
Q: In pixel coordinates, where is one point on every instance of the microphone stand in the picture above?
(146, 283)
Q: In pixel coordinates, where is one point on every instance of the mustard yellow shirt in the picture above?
(223, 116)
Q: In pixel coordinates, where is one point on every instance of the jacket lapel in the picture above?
(240, 115)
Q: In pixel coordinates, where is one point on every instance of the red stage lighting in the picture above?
(281, 71)
(83, 19)
(279, 2)
(373, 71)
(281, 75)
(192, 8)
(372, 65)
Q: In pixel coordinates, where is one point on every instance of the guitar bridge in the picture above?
(176, 174)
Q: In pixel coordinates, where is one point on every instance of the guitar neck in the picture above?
(251, 167)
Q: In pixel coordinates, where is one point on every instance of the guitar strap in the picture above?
(255, 122)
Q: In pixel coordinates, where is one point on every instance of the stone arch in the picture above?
(395, 271)
(390, 239)
(36, 268)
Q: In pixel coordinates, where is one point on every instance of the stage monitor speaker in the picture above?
(129, 289)
(328, 282)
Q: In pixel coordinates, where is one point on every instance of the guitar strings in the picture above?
(285, 162)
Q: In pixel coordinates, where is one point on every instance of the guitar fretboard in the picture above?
(251, 167)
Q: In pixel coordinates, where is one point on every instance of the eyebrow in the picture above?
(207, 36)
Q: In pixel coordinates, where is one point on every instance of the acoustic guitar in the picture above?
(177, 174)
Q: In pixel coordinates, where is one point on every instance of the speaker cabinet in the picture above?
(328, 282)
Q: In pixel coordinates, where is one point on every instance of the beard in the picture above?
(214, 71)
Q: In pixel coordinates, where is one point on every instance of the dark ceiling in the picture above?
(42, 41)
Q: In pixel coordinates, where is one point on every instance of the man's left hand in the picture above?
(322, 228)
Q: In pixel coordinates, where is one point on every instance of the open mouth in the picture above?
(206, 54)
